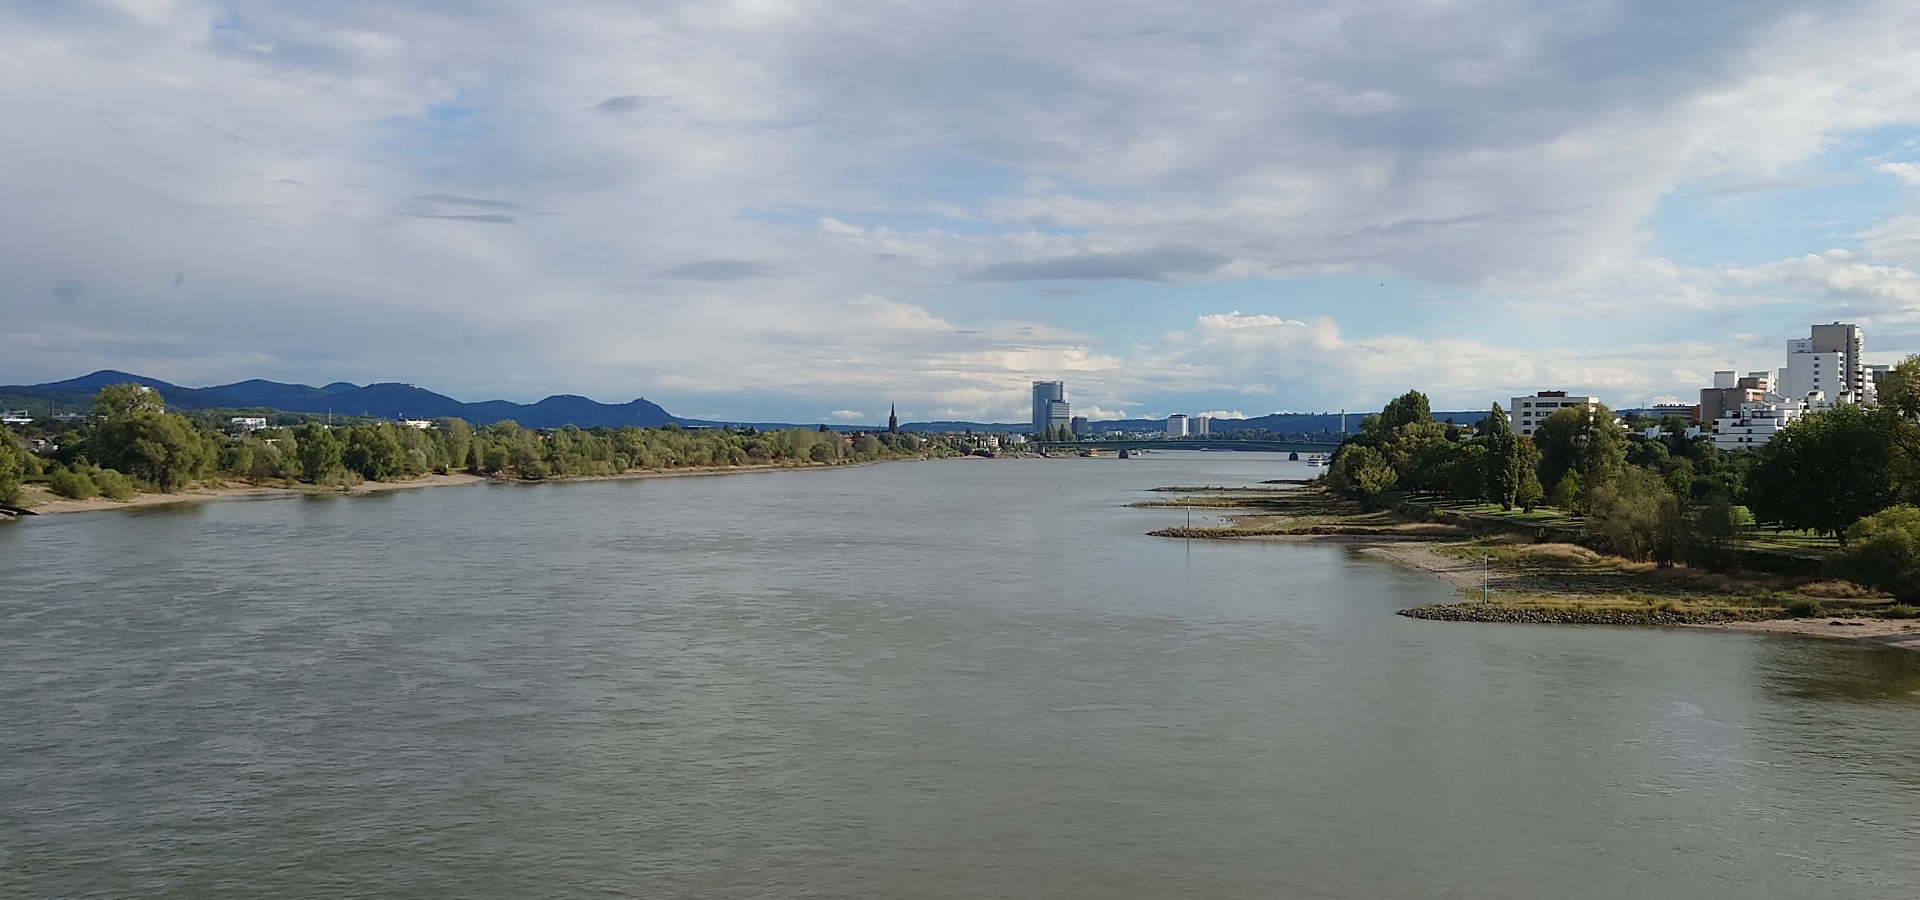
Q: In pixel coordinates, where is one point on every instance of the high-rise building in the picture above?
(1202, 425)
(1177, 426)
(1050, 407)
(1080, 427)
(1846, 340)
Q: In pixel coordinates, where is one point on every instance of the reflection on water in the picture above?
(962, 679)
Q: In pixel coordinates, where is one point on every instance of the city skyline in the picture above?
(747, 213)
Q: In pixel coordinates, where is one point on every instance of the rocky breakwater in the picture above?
(1571, 615)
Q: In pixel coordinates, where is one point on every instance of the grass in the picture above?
(1559, 576)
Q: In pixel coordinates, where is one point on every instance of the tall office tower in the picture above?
(1177, 425)
(1847, 341)
(1046, 394)
(1202, 425)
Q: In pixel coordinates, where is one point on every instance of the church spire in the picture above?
(893, 421)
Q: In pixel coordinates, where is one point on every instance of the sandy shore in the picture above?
(43, 502)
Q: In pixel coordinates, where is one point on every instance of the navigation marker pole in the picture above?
(1486, 577)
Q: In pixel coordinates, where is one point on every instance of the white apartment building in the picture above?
(1808, 372)
(1176, 426)
(247, 423)
(1202, 426)
(1527, 413)
(1755, 422)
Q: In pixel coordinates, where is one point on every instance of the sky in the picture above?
(807, 211)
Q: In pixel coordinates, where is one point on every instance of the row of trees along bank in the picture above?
(131, 444)
(1851, 471)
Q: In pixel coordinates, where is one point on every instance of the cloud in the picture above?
(627, 103)
(1181, 199)
(1908, 173)
(454, 208)
(847, 415)
(718, 270)
(68, 290)
(1159, 264)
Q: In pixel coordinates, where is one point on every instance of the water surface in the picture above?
(942, 679)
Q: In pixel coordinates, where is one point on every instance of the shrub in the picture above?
(112, 485)
(1899, 611)
(73, 484)
(1805, 608)
(1883, 551)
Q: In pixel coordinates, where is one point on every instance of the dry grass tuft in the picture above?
(1838, 590)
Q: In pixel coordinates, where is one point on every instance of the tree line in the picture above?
(1850, 471)
(130, 443)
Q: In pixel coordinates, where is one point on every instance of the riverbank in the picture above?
(1509, 578)
(40, 501)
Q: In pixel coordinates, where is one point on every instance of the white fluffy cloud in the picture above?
(750, 208)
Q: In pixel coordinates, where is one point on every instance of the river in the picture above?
(961, 679)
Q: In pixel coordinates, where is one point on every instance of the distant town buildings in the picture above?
(247, 423)
(1527, 413)
(15, 417)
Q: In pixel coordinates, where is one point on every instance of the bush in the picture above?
(1804, 608)
(1883, 551)
(1899, 611)
(112, 485)
(73, 484)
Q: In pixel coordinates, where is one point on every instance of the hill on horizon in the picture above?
(386, 400)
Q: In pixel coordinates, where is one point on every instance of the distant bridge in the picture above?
(1187, 444)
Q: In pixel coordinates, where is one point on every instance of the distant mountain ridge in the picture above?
(386, 400)
(393, 400)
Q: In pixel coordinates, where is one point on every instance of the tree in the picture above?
(1406, 409)
(1584, 440)
(1900, 389)
(13, 468)
(1529, 494)
(318, 452)
(1362, 473)
(1502, 459)
(1636, 516)
(1824, 472)
(120, 401)
(1883, 551)
(163, 450)
(373, 451)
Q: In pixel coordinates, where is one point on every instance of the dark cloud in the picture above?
(451, 206)
(626, 103)
(68, 290)
(488, 218)
(719, 270)
(1159, 264)
(475, 202)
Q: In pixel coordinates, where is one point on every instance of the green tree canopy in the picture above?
(1585, 441)
(1502, 459)
(120, 401)
(13, 468)
(1883, 551)
(318, 452)
(1824, 472)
